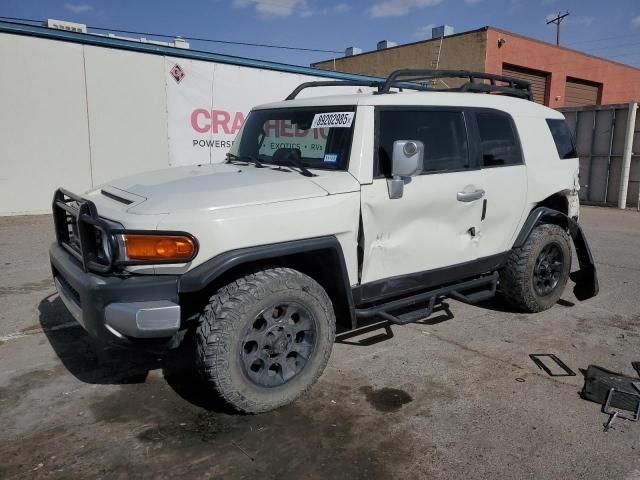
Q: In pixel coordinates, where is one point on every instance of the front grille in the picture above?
(81, 232)
(72, 291)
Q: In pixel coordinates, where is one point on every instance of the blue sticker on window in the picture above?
(331, 158)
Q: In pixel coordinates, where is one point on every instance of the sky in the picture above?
(610, 29)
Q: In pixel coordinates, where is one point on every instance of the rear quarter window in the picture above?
(498, 141)
(563, 138)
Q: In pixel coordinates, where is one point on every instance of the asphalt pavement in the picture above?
(454, 396)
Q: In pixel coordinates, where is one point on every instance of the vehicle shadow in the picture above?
(95, 362)
(376, 331)
(498, 304)
(382, 330)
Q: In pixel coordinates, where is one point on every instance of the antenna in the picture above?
(558, 20)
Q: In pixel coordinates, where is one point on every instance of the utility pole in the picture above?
(558, 20)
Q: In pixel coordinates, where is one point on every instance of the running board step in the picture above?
(428, 302)
(419, 314)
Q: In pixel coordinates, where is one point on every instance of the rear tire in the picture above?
(264, 339)
(536, 274)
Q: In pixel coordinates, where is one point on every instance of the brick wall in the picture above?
(620, 83)
(462, 51)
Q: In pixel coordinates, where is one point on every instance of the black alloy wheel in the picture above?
(548, 269)
(278, 344)
(535, 274)
(264, 339)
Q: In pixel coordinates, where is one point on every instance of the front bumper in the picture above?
(117, 309)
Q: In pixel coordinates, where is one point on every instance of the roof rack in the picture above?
(512, 87)
(355, 83)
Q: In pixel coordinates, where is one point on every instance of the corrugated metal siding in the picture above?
(537, 79)
(579, 93)
(600, 135)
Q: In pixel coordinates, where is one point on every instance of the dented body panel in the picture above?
(425, 229)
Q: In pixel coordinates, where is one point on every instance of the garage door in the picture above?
(580, 92)
(536, 78)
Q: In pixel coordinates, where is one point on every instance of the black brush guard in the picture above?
(81, 232)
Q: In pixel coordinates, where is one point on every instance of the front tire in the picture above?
(264, 339)
(536, 274)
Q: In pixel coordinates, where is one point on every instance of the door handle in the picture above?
(470, 196)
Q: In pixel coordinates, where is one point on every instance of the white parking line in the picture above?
(37, 331)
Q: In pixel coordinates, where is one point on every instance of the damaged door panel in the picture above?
(425, 229)
(436, 220)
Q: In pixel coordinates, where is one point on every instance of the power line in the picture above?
(194, 39)
(595, 40)
(228, 42)
(628, 54)
(608, 47)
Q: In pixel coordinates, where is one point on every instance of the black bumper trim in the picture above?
(95, 291)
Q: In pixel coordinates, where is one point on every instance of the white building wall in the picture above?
(127, 112)
(77, 116)
(44, 141)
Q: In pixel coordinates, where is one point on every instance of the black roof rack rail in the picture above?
(514, 87)
(335, 83)
(354, 83)
(411, 79)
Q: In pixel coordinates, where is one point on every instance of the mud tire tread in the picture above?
(226, 311)
(516, 286)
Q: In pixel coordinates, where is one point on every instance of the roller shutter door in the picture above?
(537, 79)
(580, 92)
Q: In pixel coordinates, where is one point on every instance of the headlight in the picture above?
(163, 248)
(103, 247)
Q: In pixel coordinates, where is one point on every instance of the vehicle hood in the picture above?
(215, 186)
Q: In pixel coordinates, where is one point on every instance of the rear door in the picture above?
(433, 224)
(504, 179)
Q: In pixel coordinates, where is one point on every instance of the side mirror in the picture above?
(407, 161)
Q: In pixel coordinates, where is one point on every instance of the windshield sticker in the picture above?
(330, 158)
(333, 120)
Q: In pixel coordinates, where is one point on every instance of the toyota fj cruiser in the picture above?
(349, 209)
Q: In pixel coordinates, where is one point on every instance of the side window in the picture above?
(443, 134)
(563, 138)
(498, 141)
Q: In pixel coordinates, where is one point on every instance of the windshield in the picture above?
(317, 137)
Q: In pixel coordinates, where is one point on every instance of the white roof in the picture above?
(511, 105)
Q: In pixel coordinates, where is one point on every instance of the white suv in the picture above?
(347, 209)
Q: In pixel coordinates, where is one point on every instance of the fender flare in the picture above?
(200, 277)
(586, 279)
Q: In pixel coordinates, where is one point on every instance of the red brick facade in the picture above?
(546, 66)
(619, 83)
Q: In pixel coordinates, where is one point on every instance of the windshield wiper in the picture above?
(244, 158)
(293, 160)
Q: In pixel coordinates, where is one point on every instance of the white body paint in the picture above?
(227, 206)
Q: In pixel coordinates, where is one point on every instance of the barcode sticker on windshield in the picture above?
(333, 120)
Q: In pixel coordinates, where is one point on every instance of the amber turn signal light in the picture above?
(159, 247)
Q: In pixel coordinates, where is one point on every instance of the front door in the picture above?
(435, 223)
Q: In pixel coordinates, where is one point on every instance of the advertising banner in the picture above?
(208, 102)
